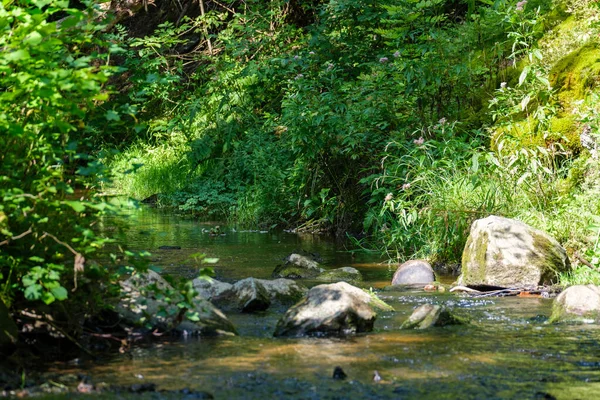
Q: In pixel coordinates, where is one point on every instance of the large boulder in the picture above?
(250, 294)
(298, 266)
(413, 272)
(429, 315)
(334, 309)
(344, 274)
(508, 253)
(580, 303)
(143, 303)
(8, 330)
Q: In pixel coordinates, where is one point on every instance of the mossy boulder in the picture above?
(298, 266)
(508, 253)
(344, 274)
(580, 303)
(336, 309)
(429, 315)
(576, 74)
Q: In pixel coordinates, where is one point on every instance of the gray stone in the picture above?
(252, 295)
(413, 272)
(211, 289)
(508, 253)
(580, 303)
(143, 303)
(277, 292)
(329, 310)
(428, 315)
(297, 266)
(8, 330)
(344, 274)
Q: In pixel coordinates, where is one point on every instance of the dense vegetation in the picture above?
(402, 119)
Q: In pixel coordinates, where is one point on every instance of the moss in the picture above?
(518, 135)
(549, 261)
(565, 130)
(474, 259)
(576, 74)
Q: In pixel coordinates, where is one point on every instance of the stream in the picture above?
(506, 352)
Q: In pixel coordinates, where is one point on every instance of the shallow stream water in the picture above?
(506, 352)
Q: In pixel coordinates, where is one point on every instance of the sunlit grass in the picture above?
(142, 171)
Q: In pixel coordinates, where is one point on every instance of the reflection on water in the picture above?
(507, 351)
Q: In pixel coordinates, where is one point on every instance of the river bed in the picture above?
(506, 352)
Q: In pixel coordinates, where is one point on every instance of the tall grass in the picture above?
(142, 170)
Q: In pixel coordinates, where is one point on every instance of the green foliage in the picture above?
(53, 75)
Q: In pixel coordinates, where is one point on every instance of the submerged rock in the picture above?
(429, 315)
(298, 266)
(143, 303)
(508, 253)
(344, 274)
(413, 272)
(580, 303)
(169, 247)
(8, 330)
(330, 310)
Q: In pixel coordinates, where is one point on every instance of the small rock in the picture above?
(339, 374)
(428, 315)
(580, 303)
(142, 387)
(169, 247)
(252, 295)
(413, 272)
(429, 288)
(376, 376)
(344, 274)
(298, 266)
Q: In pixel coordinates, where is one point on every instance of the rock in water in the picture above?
(413, 272)
(508, 253)
(298, 266)
(329, 310)
(428, 315)
(252, 295)
(580, 303)
(142, 303)
(339, 374)
(344, 274)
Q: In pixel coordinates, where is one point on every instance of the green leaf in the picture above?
(78, 206)
(33, 39)
(48, 298)
(36, 259)
(33, 292)
(112, 116)
(17, 55)
(523, 75)
(60, 293)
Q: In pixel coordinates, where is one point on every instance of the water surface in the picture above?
(506, 352)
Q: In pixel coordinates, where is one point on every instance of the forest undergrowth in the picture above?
(400, 121)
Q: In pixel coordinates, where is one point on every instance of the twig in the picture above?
(7, 241)
(78, 263)
(581, 260)
(463, 289)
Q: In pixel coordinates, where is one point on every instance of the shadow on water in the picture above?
(506, 352)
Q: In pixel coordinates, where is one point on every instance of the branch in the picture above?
(22, 235)
(78, 264)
